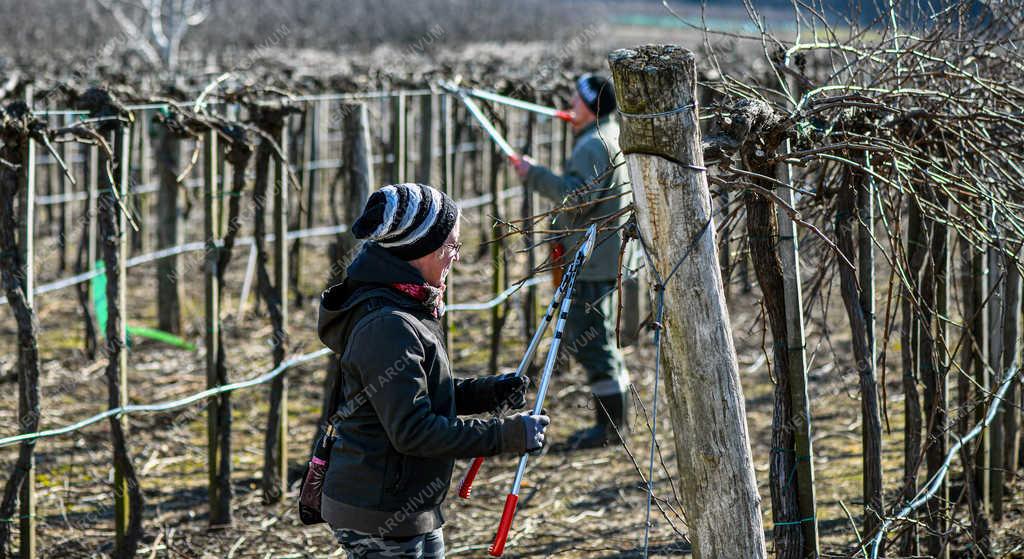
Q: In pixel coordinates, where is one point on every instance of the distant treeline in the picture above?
(31, 29)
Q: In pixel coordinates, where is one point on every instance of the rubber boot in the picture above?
(610, 410)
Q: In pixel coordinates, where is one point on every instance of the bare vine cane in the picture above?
(512, 500)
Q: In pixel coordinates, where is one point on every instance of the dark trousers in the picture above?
(590, 336)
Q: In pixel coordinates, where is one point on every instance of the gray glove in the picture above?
(533, 428)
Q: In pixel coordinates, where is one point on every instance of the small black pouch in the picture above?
(312, 487)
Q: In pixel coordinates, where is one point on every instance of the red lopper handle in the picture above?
(515, 159)
(498, 547)
(565, 115)
(467, 481)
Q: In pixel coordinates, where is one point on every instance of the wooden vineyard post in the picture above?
(871, 427)
(1005, 419)
(719, 490)
(92, 207)
(66, 218)
(279, 386)
(311, 148)
(447, 168)
(273, 287)
(113, 224)
(212, 233)
(145, 178)
(28, 404)
(492, 165)
(425, 168)
(789, 256)
(17, 276)
(997, 273)
(1012, 415)
(530, 309)
(170, 232)
(398, 138)
(358, 183)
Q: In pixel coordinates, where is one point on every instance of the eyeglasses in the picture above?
(455, 247)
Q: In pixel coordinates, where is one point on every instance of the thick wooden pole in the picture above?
(719, 489)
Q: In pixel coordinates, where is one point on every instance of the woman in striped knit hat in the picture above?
(397, 415)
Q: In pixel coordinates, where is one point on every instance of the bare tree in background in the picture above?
(156, 27)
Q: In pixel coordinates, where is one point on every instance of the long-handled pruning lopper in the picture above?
(560, 302)
(464, 95)
(520, 104)
(485, 123)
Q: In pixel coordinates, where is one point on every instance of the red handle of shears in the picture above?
(564, 115)
(467, 480)
(498, 547)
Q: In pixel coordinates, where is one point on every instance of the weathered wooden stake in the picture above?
(492, 165)
(212, 233)
(910, 341)
(1011, 358)
(447, 169)
(398, 139)
(357, 184)
(871, 422)
(719, 489)
(17, 183)
(789, 254)
(28, 395)
(425, 167)
(1013, 414)
(279, 386)
(169, 233)
(933, 367)
(997, 321)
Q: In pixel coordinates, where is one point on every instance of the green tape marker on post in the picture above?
(99, 300)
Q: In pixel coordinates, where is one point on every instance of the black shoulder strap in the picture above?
(335, 400)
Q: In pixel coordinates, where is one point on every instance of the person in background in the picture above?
(593, 182)
(397, 419)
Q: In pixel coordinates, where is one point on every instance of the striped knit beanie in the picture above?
(408, 220)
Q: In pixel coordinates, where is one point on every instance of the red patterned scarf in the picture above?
(431, 297)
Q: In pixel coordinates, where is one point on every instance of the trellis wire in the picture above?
(933, 484)
(167, 406)
(243, 241)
